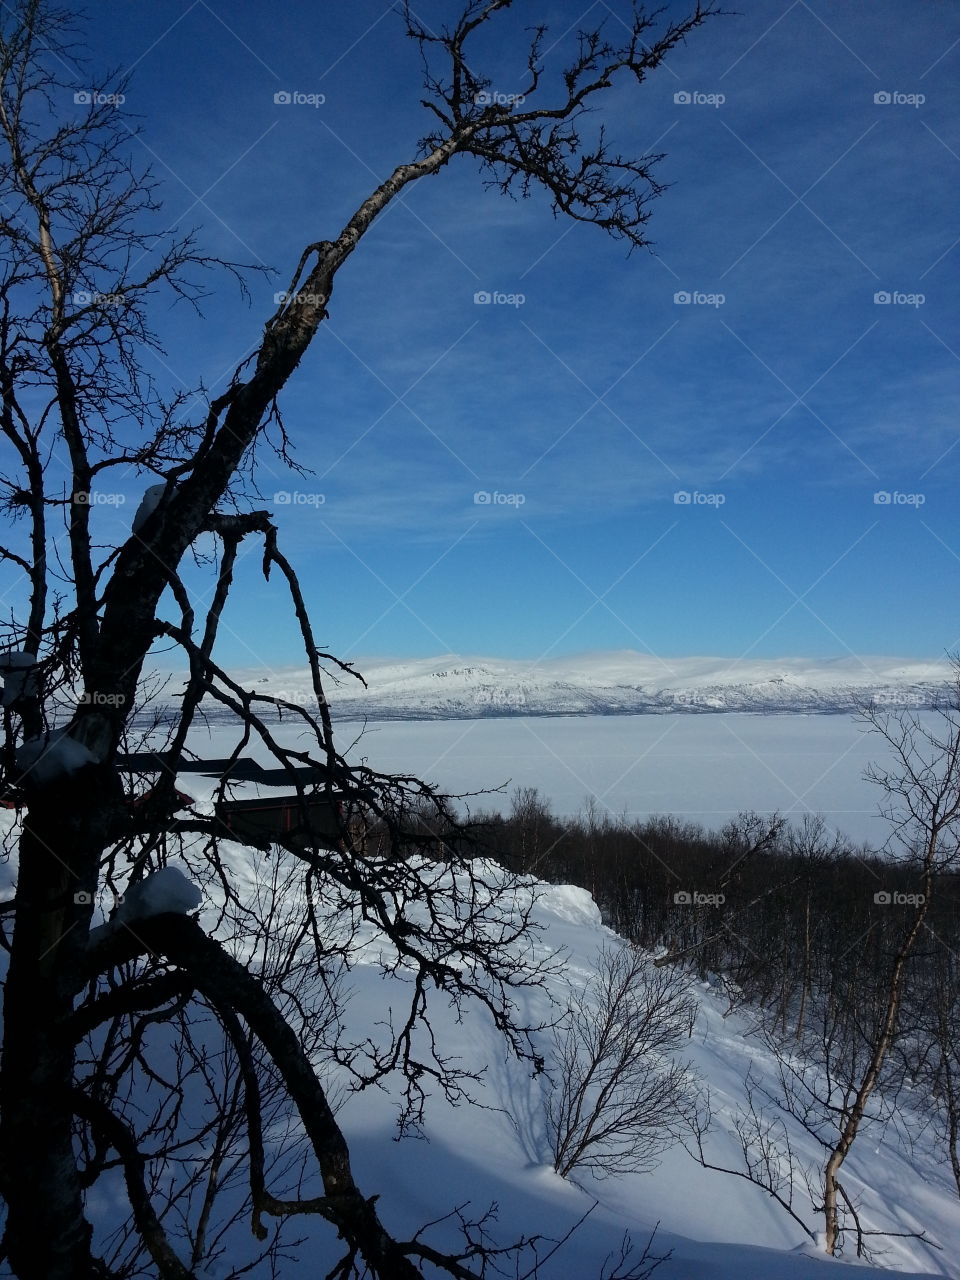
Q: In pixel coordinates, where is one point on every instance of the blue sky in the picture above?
(591, 409)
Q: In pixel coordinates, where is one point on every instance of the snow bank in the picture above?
(165, 890)
(718, 1226)
(54, 756)
(570, 903)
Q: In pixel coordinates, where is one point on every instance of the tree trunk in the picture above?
(805, 980)
(871, 1076)
(47, 1236)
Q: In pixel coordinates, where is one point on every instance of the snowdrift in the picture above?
(494, 1152)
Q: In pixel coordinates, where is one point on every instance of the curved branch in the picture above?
(128, 998)
(231, 989)
(148, 1224)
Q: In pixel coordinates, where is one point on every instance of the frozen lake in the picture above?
(701, 767)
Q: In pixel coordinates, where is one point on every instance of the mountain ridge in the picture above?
(623, 682)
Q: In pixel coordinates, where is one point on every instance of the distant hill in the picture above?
(451, 687)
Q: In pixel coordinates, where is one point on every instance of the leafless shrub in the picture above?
(619, 1098)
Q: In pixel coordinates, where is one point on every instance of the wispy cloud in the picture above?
(752, 357)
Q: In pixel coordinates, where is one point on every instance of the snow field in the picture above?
(495, 1151)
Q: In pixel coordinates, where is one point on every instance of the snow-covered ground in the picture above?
(717, 1226)
(700, 768)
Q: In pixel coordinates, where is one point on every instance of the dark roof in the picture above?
(240, 770)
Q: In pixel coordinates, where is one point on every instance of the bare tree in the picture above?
(841, 1073)
(943, 1069)
(768, 1157)
(84, 1016)
(530, 818)
(921, 801)
(814, 1090)
(619, 1098)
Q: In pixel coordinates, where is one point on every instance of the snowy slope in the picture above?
(625, 682)
(718, 1227)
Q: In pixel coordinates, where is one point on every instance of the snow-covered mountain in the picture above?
(624, 682)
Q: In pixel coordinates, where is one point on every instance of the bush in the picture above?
(618, 1098)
